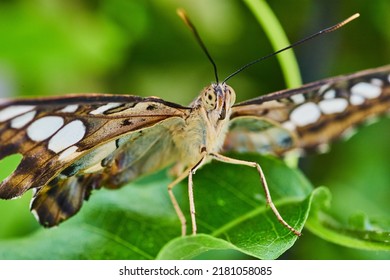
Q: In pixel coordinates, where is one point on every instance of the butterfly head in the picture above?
(217, 100)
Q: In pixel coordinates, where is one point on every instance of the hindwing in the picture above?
(309, 116)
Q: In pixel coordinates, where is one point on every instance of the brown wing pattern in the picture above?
(77, 143)
(67, 142)
(311, 115)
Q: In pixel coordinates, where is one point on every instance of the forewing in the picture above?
(53, 133)
(112, 165)
(309, 116)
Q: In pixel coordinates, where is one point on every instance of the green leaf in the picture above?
(189, 247)
(360, 232)
(138, 221)
(246, 237)
(9, 164)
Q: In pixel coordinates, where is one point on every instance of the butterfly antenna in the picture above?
(183, 15)
(324, 31)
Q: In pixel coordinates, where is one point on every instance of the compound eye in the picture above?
(209, 98)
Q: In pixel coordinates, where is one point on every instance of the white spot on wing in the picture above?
(102, 109)
(305, 114)
(348, 133)
(67, 136)
(323, 148)
(70, 108)
(330, 94)
(68, 152)
(45, 127)
(371, 120)
(323, 88)
(298, 98)
(34, 213)
(377, 82)
(332, 106)
(356, 99)
(13, 111)
(22, 120)
(366, 90)
(289, 125)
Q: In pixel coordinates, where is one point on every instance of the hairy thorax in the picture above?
(199, 134)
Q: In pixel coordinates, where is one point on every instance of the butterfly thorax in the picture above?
(207, 124)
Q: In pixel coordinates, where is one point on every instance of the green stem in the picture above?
(278, 39)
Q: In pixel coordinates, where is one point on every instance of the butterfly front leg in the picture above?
(270, 203)
(187, 172)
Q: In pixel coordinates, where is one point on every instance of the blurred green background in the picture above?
(52, 47)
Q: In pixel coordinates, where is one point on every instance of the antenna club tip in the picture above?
(344, 22)
(356, 15)
(180, 11)
(182, 14)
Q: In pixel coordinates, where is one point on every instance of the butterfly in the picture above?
(74, 144)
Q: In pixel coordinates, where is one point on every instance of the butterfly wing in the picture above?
(309, 116)
(73, 144)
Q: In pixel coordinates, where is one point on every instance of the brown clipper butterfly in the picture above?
(74, 144)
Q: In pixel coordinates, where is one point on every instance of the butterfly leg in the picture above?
(191, 192)
(175, 204)
(263, 182)
(188, 172)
